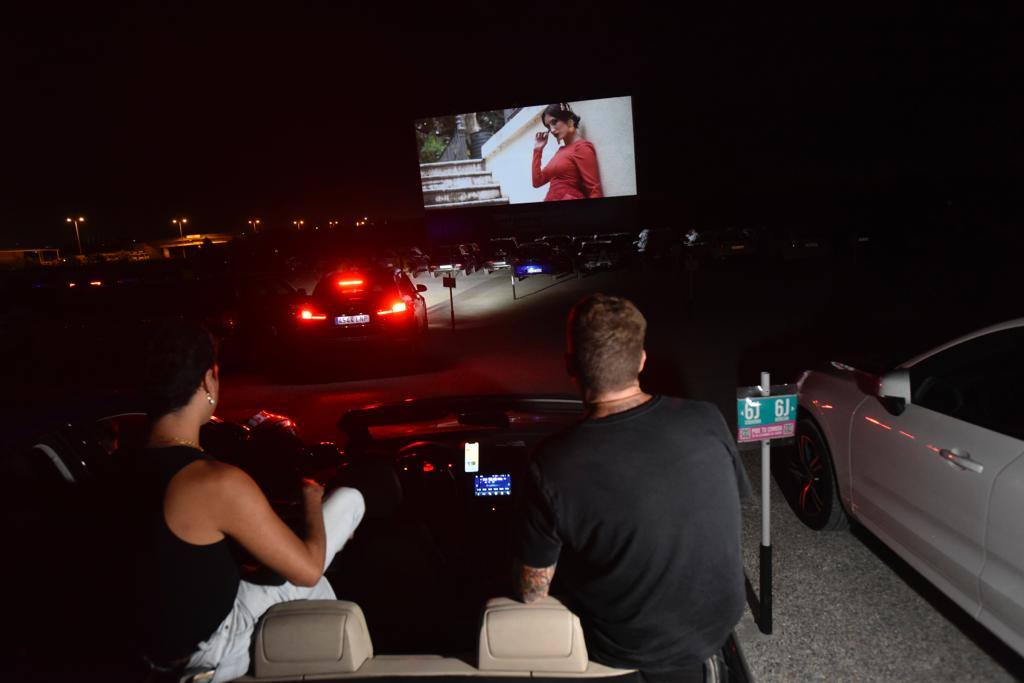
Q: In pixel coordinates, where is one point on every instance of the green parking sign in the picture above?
(761, 418)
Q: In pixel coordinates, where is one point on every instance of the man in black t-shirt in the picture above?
(638, 506)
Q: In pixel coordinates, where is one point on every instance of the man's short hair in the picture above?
(178, 355)
(606, 340)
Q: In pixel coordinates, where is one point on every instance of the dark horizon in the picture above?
(135, 119)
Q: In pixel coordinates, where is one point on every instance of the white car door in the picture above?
(922, 480)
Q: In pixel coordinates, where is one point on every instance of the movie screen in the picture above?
(543, 153)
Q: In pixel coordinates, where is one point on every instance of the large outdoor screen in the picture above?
(543, 153)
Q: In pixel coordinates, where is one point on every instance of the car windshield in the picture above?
(503, 247)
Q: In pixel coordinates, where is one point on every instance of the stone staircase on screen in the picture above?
(450, 184)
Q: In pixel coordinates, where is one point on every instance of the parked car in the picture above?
(929, 457)
(599, 254)
(416, 261)
(450, 259)
(733, 243)
(562, 243)
(499, 253)
(540, 258)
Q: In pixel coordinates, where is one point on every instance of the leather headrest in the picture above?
(311, 637)
(543, 636)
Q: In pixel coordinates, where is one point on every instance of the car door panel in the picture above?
(931, 508)
(1002, 577)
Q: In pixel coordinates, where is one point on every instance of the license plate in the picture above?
(351, 319)
(812, 244)
(533, 269)
(737, 247)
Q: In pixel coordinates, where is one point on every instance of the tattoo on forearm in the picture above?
(534, 582)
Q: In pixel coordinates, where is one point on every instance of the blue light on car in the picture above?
(534, 269)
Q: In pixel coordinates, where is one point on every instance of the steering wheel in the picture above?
(431, 456)
(427, 472)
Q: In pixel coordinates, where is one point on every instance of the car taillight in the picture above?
(397, 307)
(311, 314)
(351, 284)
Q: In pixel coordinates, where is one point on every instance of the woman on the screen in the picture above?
(572, 172)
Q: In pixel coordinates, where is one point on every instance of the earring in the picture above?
(211, 399)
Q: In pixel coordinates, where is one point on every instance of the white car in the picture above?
(930, 458)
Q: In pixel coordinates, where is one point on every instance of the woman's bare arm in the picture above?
(244, 513)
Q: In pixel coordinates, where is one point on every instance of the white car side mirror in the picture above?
(894, 390)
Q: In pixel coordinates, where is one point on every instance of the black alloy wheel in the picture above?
(810, 481)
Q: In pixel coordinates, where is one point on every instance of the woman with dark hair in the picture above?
(573, 171)
(192, 606)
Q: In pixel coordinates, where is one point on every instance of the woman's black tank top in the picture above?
(183, 591)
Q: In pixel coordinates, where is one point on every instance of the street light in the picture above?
(298, 224)
(254, 224)
(180, 222)
(78, 239)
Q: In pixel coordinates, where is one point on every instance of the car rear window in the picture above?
(346, 285)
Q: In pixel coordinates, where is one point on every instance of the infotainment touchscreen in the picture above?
(492, 485)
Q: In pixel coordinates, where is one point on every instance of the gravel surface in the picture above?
(846, 609)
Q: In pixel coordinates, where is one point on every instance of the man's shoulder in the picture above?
(690, 415)
(690, 407)
(664, 406)
(552, 445)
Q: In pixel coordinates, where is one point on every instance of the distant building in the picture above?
(23, 258)
(181, 247)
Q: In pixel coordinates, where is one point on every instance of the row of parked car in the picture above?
(562, 253)
(546, 255)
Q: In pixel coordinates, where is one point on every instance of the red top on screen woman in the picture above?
(572, 172)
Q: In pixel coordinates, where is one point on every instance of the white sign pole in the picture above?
(766, 523)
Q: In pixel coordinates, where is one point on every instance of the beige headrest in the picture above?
(311, 637)
(543, 636)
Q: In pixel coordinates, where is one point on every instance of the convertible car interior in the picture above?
(421, 584)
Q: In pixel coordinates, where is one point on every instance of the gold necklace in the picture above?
(180, 442)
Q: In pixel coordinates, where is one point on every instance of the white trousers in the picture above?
(227, 649)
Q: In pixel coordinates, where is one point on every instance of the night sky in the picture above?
(133, 117)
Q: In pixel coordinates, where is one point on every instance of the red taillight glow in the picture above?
(351, 283)
(428, 467)
(309, 314)
(398, 307)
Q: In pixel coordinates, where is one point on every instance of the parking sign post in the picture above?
(761, 416)
(449, 282)
(766, 524)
